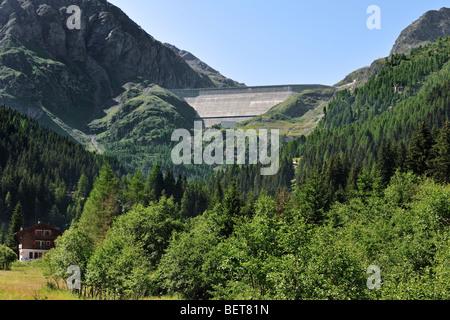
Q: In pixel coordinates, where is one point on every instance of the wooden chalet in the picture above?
(36, 241)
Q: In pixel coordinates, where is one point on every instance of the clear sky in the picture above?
(278, 42)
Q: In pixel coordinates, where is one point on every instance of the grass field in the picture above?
(25, 282)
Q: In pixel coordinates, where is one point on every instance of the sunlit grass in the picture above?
(25, 282)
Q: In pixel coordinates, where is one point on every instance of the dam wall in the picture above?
(218, 105)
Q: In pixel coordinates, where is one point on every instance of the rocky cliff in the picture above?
(75, 73)
(428, 28)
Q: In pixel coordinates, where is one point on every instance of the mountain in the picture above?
(360, 76)
(386, 110)
(66, 78)
(100, 85)
(365, 134)
(137, 129)
(217, 78)
(428, 28)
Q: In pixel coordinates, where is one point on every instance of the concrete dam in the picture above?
(231, 105)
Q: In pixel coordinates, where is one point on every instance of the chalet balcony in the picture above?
(44, 237)
(41, 247)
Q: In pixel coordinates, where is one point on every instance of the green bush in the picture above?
(7, 256)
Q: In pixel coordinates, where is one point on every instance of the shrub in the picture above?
(7, 256)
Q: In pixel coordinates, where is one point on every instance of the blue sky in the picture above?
(278, 42)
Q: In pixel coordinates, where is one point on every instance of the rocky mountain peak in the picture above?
(428, 28)
(75, 73)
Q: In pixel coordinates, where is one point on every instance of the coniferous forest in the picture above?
(371, 188)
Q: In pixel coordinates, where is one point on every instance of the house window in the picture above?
(40, 244)
(47, 243)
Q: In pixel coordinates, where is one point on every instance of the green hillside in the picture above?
(298, 115)
(389, 107)
(137, 131)
(372, 194)
(37, 167)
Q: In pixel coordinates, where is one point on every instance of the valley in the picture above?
(86, 144)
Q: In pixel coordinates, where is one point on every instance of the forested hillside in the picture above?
(375, 122)
(137, 131)
(387, 110)
(371, 190)
(43, 175)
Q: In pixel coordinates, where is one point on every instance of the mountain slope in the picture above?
(361, 76)
(71, 80)
(218, 79)
(75, 74)
(428, 28)
(389, 107)
(296, 116)
(37, 166)
(137, 130)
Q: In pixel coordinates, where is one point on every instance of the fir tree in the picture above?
(178, 190)
(83, 188)
(232, 201)
(169, 184)
(440, 164)
(15, 225)
(136, 190)
(102, 206)
(386, 164)
(155, 184)
(420, 150)
(313, 197)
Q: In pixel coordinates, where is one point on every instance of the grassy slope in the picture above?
(25, 282)
(296, 116)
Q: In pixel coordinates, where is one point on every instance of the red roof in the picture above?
(39, 226)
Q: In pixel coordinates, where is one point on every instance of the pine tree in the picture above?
(440, 164)
(83, 188)
(169, 184)
(15, 225)
(155, 184)
(420, 150)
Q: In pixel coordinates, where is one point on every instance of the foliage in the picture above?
(7, 256)
(37, 167)
(102, 206)
(371, 188)
(74, 248)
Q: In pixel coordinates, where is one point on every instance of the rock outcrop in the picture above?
(428, 28)
(75, 73)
